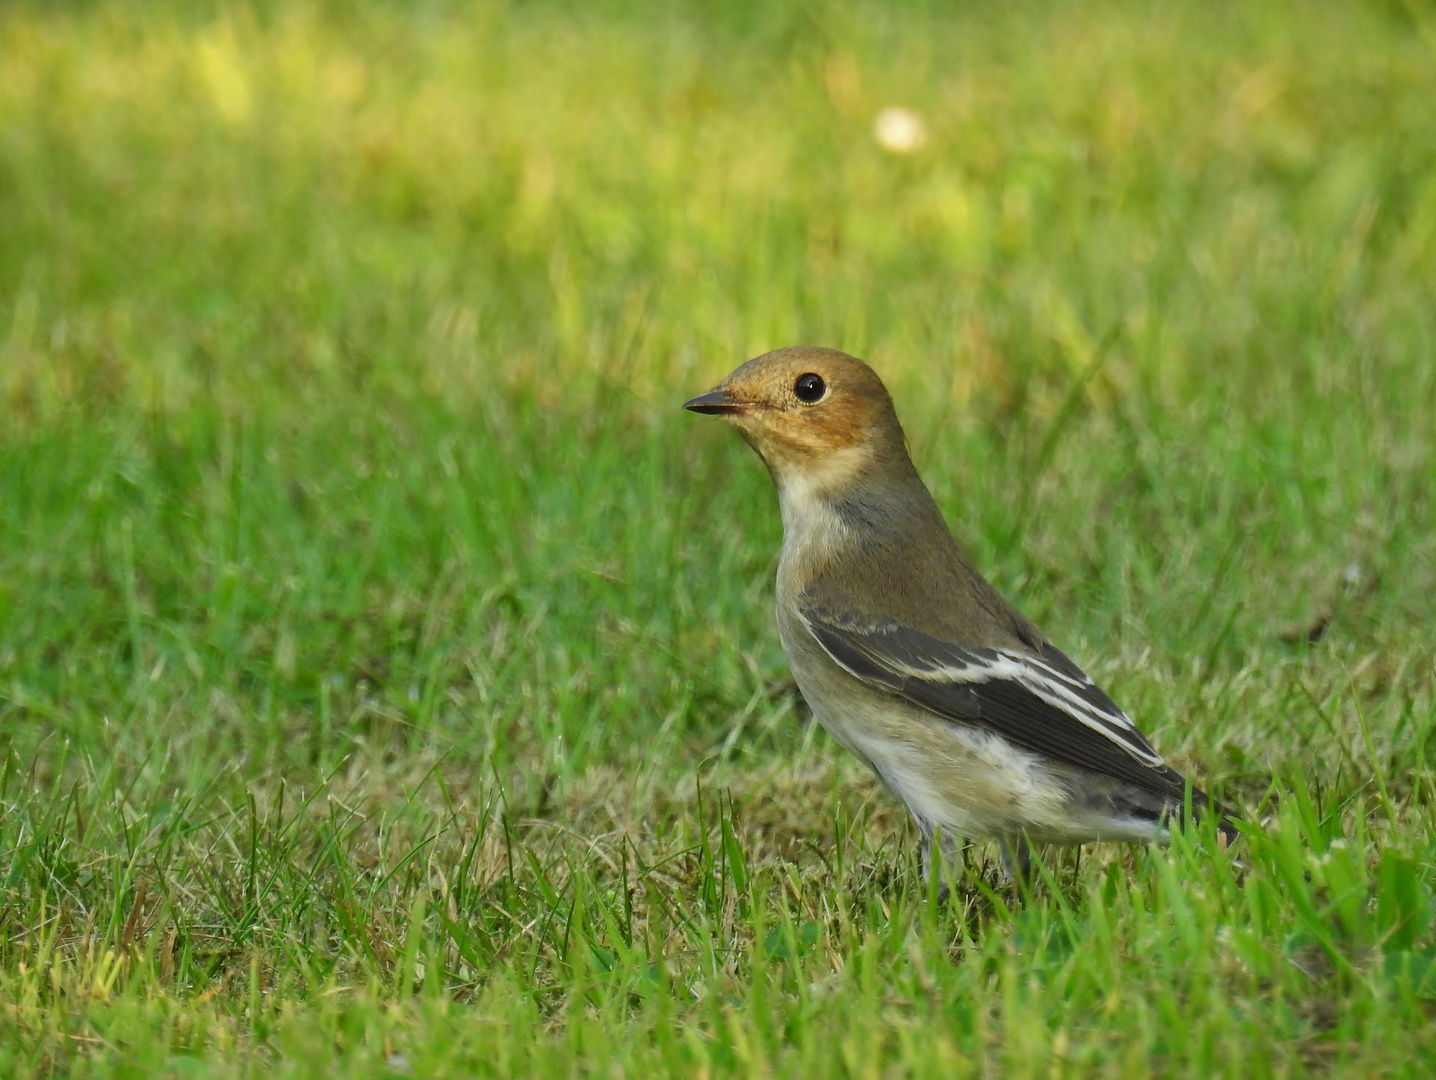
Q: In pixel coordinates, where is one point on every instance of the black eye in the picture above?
(810, 388)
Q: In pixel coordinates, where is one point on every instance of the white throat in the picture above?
(805, 500)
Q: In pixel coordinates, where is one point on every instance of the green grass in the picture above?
(388, 682)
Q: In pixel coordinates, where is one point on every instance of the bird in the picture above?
(909, 657)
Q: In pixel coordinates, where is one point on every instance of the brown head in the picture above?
(811, 413)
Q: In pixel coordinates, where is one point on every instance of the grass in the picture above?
(387, 677)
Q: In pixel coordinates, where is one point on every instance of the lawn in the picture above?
(388, 678)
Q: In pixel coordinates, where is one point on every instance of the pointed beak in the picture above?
(715, 403)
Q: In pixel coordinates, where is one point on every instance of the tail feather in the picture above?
(1203, 804)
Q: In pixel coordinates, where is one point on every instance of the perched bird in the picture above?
(907, 655)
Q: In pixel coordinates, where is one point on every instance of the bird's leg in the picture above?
(1016, 860)
(942, 852)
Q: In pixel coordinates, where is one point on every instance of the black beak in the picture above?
(715, 403)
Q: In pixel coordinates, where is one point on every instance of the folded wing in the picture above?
(1041, 701)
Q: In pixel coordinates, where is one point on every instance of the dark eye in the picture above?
(810, 388)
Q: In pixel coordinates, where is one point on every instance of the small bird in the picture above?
(907, 655)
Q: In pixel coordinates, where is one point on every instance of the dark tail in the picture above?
(1203, 804)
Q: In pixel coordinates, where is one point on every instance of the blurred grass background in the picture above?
(341, 347)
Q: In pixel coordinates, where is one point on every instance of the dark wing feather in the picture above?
(1043, 702)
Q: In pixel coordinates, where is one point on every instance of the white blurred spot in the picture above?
(899, 130)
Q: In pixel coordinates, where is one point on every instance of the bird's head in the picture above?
(815, 416)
